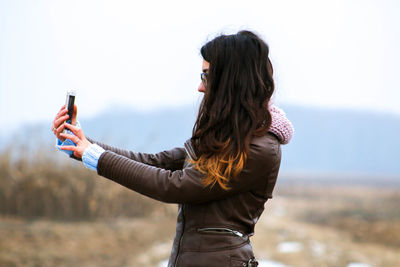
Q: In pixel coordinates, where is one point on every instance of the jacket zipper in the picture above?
(180, 238)
(218, 230)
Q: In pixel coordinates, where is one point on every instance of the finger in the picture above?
(74, 115)
(62, 107)
(75, 130)
(71, 137)
(61, 110)
(58, 125)
(60, 129)
(60, 121)
(60, 114)
(70, 148)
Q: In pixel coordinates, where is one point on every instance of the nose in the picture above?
(202, 88)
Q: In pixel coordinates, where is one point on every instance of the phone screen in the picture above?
(70, 105)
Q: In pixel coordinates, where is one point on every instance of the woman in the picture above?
(226, 171)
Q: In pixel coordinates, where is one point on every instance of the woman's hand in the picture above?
(59, 120)
(78, 137)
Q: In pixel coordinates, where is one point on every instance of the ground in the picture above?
(301, 226)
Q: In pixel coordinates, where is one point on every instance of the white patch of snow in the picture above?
(358, 264)
(317, 248)
(269, 263)
(163, 263)
(289, 247)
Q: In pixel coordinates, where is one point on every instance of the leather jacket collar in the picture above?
(189, 150)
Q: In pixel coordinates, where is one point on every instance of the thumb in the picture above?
(74, 115)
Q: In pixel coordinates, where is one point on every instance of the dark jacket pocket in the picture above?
(219, 231)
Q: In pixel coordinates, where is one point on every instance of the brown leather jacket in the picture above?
(213, 225)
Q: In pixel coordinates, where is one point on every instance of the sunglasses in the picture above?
(203, 77)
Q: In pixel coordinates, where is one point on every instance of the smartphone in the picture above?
(69, 104)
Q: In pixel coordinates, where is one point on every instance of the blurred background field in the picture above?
(335, 203)
(56, 213)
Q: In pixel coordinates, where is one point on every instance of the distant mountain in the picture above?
(342, 141)
(325, 141)
(149, 132)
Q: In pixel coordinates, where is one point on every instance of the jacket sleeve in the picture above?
(170, 159)
(185, 186)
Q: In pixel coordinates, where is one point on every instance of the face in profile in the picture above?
(202, 86)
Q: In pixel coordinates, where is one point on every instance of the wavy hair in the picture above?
(234, 107)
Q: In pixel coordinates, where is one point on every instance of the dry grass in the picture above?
(320, 218)
(60, 214)
(46, 188)
(370, 214)
(105, 242)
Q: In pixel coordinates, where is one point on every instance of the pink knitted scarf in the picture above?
(280, 125)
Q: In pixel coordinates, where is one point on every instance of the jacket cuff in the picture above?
(91, 155)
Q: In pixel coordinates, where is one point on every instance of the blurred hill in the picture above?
(343, 141)
(325, 141)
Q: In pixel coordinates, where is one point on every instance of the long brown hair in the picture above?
(234, 107)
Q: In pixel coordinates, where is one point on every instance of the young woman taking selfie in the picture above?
(224, 174)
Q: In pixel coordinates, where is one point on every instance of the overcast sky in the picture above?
(145, 54)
